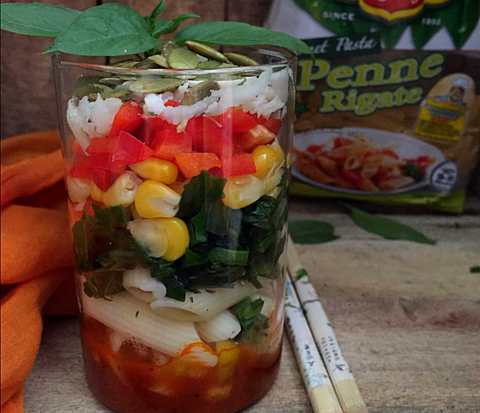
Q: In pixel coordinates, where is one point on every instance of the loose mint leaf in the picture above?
(475, 269)
(311, 231)
(239, 34)
(36, 19)
(169, 26)
(302, 272)
(107, 30)
(387, 228)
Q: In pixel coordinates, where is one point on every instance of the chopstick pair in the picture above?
(327, 376)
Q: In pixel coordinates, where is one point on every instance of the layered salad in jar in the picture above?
(177, 185)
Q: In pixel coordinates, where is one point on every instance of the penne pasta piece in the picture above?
(352, 162)
(369, 170)
(328, 165)
(130, 316)
(308, 168)
(367, 184)
(223, 326)
(142, 285)
(203, 305)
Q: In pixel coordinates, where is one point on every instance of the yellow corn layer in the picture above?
(228, 354)
(163, 237)
(122, 192)
(241, 191)
(157, 170)
(156, 200)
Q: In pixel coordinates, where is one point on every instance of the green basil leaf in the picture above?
(225, 256)
(251, 319)
(239, 34)
(36, 19)
(107, 30)
(311, 231)
(169, 26)
(387, 228)
(301, 272)
(158, 10)
(196, 226)
(475, 269)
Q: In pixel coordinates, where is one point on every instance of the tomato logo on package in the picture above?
(393, 10)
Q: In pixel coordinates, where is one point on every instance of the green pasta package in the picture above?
(388, 105)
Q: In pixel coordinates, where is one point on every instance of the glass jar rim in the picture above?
(284, 56)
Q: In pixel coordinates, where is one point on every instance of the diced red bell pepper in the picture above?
(150, 126)
(128, 118)
(272, 124)
(172, 103)
(209, 135)
(238, 164)
(259, 135)
(123, 149)
(314, 148)
(168, 142)
(237, 120)
(107, 158)
(192, 164)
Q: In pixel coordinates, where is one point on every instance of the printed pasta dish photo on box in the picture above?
(387, 104)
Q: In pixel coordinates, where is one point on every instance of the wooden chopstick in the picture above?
(340, 374)
(320, 390)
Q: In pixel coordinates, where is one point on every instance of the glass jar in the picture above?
(177, 183)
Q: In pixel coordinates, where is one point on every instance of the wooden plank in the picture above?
(249, 11)
(28, 97)
(406, 315)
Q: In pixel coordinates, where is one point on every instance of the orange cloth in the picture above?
(36, 254)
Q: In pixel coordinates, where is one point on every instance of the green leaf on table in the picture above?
(301, 272)
(107, 30)
(239, 34)
(475, 269)
(169, 26)
(36, 19)
(387, 228)
(157, 10)
(311, 231)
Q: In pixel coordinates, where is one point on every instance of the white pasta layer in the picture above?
(129, 316)
(142, 285)
(203, 305)
(223, 326)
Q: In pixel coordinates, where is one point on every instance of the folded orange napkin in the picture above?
(36, 254)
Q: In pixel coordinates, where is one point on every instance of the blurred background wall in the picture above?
(27, 95)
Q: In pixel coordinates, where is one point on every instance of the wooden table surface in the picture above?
(406, 315)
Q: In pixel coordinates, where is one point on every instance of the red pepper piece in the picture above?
(238, 164)
(352, 176)
(128, 118)
(237, 120)
(339, 141)
(259, 135)
(168, 142)
(272, 124)
(192, 164)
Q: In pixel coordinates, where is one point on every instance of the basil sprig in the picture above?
(114, 29)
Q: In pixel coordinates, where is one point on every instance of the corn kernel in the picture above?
(123, 190)
(162, 237)
(156, 200)
(241, 191)
(265, 158)
(78, 189)
(156, 169)
(96, 193)
(177, 236)
(150, 234)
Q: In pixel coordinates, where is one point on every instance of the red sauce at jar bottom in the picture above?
(136, 380)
